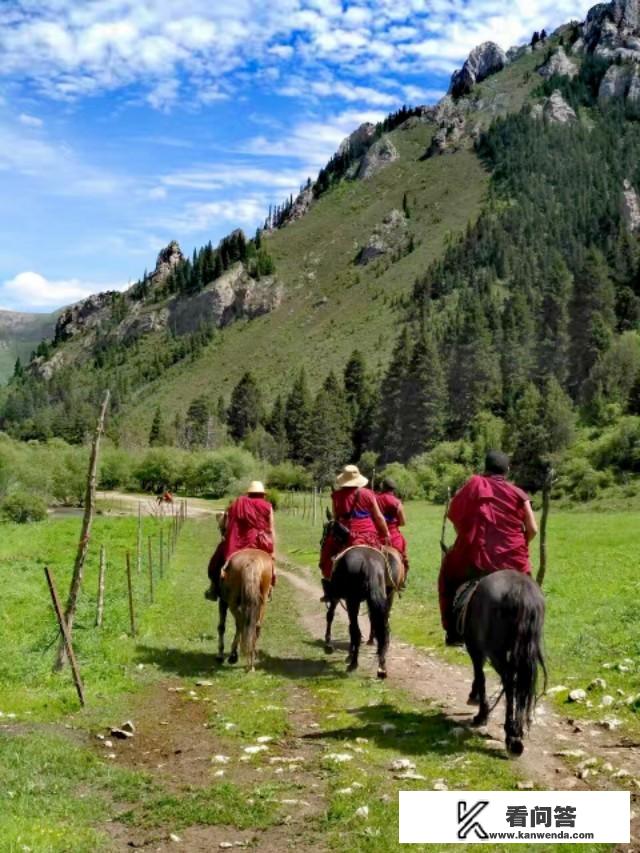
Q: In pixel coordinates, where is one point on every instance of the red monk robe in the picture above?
(489, 516)
(391, 507)
(249, 525)
(357, 510)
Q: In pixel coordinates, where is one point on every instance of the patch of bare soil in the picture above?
(174, 744)
(426, 676)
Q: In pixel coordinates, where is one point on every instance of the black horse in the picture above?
(503, 622)
(359, 575)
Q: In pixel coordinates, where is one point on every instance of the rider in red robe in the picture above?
(248, 523)
(356, 508)
(494, 523)
(393, 511)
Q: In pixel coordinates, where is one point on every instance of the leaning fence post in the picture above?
(103, 566)
(161, 553)
(132, 614)
(139, 540)
(66, 637)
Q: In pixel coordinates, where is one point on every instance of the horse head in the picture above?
(334, 529)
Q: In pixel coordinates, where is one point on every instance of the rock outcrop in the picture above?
(301, 205)
(390, 235)
(559, 65)
(556, 110)
(358, 141)
(621, 81)
(484, 60)
(233, 296)
(449, 136)
(379, 155)
(631, 207)
(168, 259)
(612, 30)
(84, 315)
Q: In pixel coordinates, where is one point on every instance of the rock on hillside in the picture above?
(390, 235)
(83, 315)
(559, 65)
(380, 154)
(484, 60)
(631, 207)
(612, 30)
(554, 109)
(168, 260)
(358, 141)
(621, 81)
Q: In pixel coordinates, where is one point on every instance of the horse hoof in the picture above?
(352, 667)
(370, 641)
(480, 719)
(219, 658)
(382, 673)
(515, 746)
(328, 648)
(473, 700)
(233, 658)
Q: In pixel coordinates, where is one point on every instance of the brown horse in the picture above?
(244, 589)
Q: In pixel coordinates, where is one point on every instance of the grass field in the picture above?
(60, 791)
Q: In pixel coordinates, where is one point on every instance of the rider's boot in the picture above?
(326, 590)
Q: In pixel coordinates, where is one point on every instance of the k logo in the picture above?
(467, 819)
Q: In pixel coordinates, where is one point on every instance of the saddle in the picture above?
(461, 602)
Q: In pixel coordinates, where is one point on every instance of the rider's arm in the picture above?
(273, 530)
(380, 523)
(530, 523)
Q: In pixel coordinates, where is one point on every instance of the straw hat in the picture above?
(350, 476)
(256, 488)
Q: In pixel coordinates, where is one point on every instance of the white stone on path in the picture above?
(402, 764)
(253, 750)
(339, 757)
(578, 695)
(362, 812)
(220, 759)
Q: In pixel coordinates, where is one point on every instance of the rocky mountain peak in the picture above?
(485, 59)
(168, 259)
(612, 30)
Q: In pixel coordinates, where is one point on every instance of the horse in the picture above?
(503, 621)
(244, 589)
(359, 574)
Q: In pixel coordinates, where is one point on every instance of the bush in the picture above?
(406, 480)
(581, 481)
(116, 468)
(159, 470)
(289, 477)
(273, 496)
(211, 476)
(69, 477)
(620, 447)
(22, 508)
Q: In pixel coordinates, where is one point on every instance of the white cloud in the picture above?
(71, 49)
(29, 120)
(36, 291)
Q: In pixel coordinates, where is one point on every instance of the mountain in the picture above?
(20, 334)
(481, 255)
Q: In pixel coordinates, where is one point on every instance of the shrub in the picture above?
(273, 496)
(22, 508)
(211, 476)
(69, 477)
(289, 477)
(116, 467)
(620, 447)
(405, 480)
(159, 470)
(581, 481)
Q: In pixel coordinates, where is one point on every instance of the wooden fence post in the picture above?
(85, 534)
(66, 637)
(544, 518)
(132, 612)
(150, 568)
(139, 541)
(103, 566)
(161, 553)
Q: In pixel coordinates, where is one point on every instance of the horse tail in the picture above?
(527, 656)
(378, 605)
(250, 604)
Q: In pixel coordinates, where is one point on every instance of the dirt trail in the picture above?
(449, 685)
(125, 503)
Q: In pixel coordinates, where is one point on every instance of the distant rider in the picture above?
(393, 510)
(356, 509)
(247, 523)
(494, 522)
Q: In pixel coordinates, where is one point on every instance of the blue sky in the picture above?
(127, 123)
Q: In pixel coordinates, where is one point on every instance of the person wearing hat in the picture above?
(248, 523)
(354, 507)
(393, 511)
(494, 522)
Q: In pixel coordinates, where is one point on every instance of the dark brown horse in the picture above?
(503, 622)
(244, 589)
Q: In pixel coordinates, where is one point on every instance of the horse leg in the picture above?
(380, 624)
(478, 695)
(331, 612)
(353, 608)
(222, 624)
(513, 736)
(371, 638)
(233, 657)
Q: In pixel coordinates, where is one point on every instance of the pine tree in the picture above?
(553, 334)
(592, 317)
(245, 407)
(197, 422)
(297, 415)
(393, 401)
(425, 412)
(329, 432)
(277, 428)
(157, 433)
